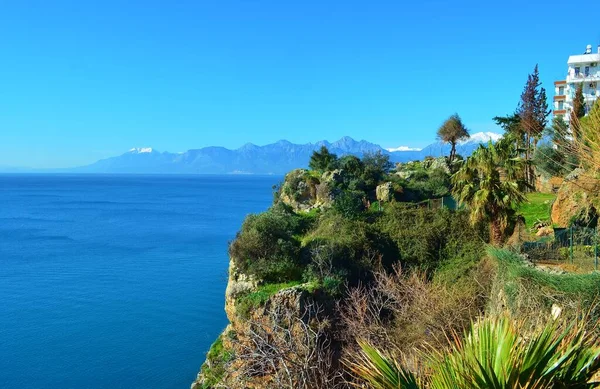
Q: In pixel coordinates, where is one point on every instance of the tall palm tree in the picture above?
(452, 131)
(490, 183)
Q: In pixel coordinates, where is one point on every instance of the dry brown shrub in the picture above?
(288, 349)
(406, 311)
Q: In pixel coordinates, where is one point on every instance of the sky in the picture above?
(85, 80)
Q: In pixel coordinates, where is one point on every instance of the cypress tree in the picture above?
(578, 103)
(533, 112)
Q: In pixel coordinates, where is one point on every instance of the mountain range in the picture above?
(276, 158)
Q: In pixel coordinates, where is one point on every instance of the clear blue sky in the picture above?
(83, 80)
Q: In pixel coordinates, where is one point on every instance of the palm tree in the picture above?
(494, 353)
(490, 183)
(452, 131)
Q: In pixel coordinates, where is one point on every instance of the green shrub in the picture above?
(214, 368)
(349, 204)
(266, 247)
(429, 237)
(529, 291)
(247, 303)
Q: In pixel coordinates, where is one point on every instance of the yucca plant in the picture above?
(495, 353)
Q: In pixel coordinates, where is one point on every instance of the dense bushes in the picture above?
(343, 245)
(428, 237)
(349, 204)
(423, 180)
(266, 246)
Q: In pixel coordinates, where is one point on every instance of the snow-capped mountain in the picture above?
(141, 150)
(482, 137)
(276, 158)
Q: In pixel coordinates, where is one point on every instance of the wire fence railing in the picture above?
(576, 245)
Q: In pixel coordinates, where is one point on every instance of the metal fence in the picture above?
(575, 245)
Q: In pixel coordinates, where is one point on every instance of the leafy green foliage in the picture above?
(349, 204)
(376, 166)
(427, 238)
(322, 160)
(491, 198)
(339, 249)
(266, 247)
(424, 183)
(246, 303)
(351, 165)
(578, 103)
(452, 131)
(217, 359)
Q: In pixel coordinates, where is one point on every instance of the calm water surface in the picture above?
(115, 281)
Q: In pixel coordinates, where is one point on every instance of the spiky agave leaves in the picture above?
(496, 353)
(381, 371)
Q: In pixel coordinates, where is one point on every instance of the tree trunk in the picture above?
(527, 147)
(496, 233)
(452, 152)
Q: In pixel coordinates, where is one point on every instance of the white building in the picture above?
(583, 70)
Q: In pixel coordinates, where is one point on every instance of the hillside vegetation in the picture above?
(365, 274)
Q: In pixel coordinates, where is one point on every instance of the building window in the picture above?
(577, 71)
(561, 105)
(587, 71)
(561, 90)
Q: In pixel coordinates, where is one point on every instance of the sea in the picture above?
(116, 281)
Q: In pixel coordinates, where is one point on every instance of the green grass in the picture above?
(246, 303)
(217, 357)
(527, 285)
(537, 207)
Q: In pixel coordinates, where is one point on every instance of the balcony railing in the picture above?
(583, 77)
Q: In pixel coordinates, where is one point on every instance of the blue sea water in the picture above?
(115, 281)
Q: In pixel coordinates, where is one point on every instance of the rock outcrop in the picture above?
(385, 192)
(577, 200)
(303, 190)
(285, 314)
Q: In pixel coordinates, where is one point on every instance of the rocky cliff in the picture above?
(577, 201)
(267, 329)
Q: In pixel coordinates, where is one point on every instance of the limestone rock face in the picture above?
(237, 335)
(440, 163)
(577, 200)
(302, 191)
(299, 190)
(335, 176)
(385, 192)
(544, 231)
(238, 283)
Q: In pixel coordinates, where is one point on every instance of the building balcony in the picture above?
(560, 98)
(561, 82)
(582, 77)
(560, 112)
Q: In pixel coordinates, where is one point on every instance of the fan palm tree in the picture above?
(490, 183)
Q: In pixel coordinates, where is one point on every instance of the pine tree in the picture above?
(322, 160)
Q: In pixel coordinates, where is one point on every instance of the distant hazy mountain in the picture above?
(276, 158)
